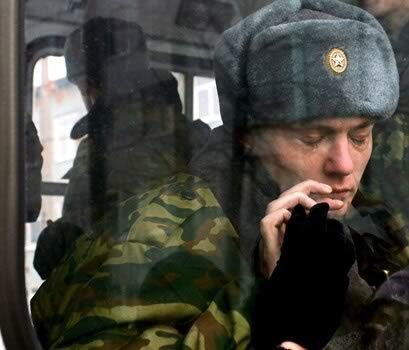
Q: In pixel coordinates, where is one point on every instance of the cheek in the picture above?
(300, 163)
(291, 167)
(286, 161)
(361, 161)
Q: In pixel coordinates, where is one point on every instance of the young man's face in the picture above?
(334, 151)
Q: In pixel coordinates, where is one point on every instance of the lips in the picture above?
(341, 194)
(336, 189)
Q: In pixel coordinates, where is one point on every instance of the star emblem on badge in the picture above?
(337, 60)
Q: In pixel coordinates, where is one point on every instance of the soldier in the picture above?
(130, 137)
(256, 249)
(295, 109)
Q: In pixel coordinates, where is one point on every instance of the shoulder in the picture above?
(180, 212)
(175, 233)
(182, 203)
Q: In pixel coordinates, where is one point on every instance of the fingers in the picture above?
(272, 229)
(290, 200)
(308, 187)
(275, 219)
(316, 189)
(334, 204)
(278, 213)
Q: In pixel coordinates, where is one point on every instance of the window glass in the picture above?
(57, 106)
(219, 174)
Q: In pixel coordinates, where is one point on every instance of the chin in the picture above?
(340, 213)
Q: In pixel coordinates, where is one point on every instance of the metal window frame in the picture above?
(16, 327)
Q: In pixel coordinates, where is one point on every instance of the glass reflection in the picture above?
(286, 224)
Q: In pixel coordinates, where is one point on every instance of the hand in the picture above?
(303, 300)
(273, 225)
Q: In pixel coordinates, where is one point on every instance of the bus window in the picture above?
(180, 215)
(57, 106)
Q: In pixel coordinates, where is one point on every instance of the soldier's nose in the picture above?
(339, 160)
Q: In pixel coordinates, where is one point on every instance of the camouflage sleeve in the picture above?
(162, 272)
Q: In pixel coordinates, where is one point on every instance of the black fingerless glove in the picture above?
(304, 297)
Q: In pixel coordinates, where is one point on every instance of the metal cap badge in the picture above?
(337, 60)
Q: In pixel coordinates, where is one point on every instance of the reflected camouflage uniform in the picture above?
(161, 272)
(386, 176)
(165, 271)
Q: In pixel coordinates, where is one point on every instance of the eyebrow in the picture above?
(364, 124)
(327, 128)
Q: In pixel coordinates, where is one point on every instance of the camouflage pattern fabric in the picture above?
(161, 272)
(387, 174)
(164, 271)
(125, 148)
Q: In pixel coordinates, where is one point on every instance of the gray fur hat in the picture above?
(297, 60)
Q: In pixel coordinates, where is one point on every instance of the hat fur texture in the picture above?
(273, 66)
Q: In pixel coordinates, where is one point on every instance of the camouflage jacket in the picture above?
(163, 271)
